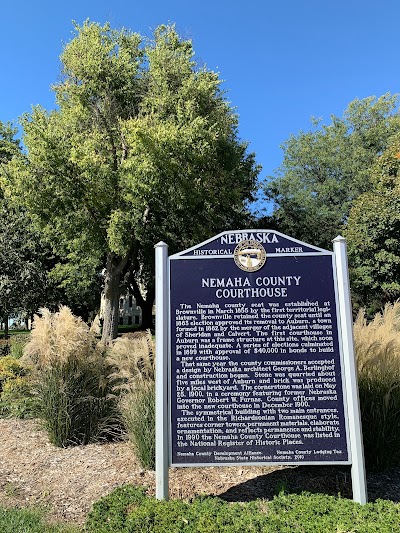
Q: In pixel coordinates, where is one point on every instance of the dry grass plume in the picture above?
(56, 337)
(132, 359)
(377, 343)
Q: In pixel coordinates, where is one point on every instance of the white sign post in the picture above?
(162, 324)
(353, 403)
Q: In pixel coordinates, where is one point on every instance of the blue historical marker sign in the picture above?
(255, 353)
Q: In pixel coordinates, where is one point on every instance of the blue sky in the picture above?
(283, 61)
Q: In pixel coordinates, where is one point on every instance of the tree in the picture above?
(23, 277)
(325, 169)
(373, 233)
(143, 147)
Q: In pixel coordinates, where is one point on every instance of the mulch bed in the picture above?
(68, 481)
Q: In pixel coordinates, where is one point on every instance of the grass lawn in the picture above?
(30, 521)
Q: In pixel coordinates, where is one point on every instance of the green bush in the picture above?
(10, 368)
(110, 513)
(320, 513)
(70, 383)
(128, 510)
(16, 399)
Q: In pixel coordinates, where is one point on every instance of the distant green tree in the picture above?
(142, 147)
(23, 278)
(24, 284)
(373, 233)
(325, 169)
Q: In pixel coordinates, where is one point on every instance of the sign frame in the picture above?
(352, 420)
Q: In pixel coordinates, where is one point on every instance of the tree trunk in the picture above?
(111, 302)
(147, 311)
(6, 327)
(145, 304)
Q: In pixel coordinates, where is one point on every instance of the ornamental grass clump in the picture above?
(70, 383)
(132, 359)
(377, 345)
(17, 345)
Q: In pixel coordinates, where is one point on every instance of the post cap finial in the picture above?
(339, 238)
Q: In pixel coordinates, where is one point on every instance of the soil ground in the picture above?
(66, 482)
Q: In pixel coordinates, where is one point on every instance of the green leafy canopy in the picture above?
(142, 147)
(325, 169)
(373, 233)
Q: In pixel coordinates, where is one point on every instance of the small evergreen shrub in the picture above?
(110, 512)
(128, 510)
(10, 368)
(320, 513)
(70, 383)
(17, 399)
(132, 360)
(16, 396)
(377, 346)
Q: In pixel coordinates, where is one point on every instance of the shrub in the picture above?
(110, 512)
(128, 510)
(10, 368)
(377, 347)
(16, 398)
(70, 383)
(132, 359)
